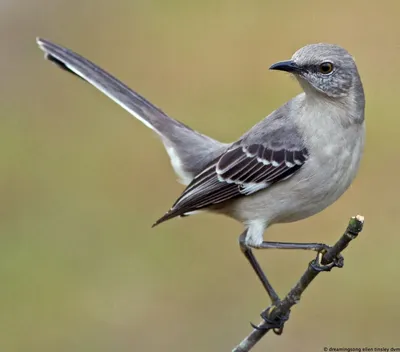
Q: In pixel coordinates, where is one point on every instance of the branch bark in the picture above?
(330, 257)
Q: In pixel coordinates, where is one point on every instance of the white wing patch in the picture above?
(252, 187)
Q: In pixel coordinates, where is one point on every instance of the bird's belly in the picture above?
(304, 200)
(310, 199)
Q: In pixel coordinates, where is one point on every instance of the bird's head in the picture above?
(323, 68)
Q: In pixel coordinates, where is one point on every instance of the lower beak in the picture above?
(287, 66)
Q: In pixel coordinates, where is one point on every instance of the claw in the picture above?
(278, 331)
(275, 324)
(259, 328)
(317, 265)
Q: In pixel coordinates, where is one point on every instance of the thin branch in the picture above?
(331, 258)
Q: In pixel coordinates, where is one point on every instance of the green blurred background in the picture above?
(82, 181)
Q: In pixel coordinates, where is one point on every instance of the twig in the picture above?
(331, 258)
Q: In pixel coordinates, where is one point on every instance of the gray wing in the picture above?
(243, 170)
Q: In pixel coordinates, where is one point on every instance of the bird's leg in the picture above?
(318, 247)
(277, 323)
(321, 248)
(248, 253)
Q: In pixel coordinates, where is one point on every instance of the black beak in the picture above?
(288, 66)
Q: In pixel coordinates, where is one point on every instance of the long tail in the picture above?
(189, 150)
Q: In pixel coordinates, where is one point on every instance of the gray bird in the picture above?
(291, 165)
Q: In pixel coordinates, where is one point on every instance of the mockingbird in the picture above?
(291, 165)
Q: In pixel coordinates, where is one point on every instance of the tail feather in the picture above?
(131, 101)
(189, 150)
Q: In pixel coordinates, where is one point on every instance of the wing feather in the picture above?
(240, 171)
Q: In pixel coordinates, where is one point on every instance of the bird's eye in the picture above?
(326, 68)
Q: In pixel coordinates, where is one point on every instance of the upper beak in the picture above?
(288, 66)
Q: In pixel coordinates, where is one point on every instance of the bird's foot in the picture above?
(275, 323)
(317, 265)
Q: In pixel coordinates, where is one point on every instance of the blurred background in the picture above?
(82, 181)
